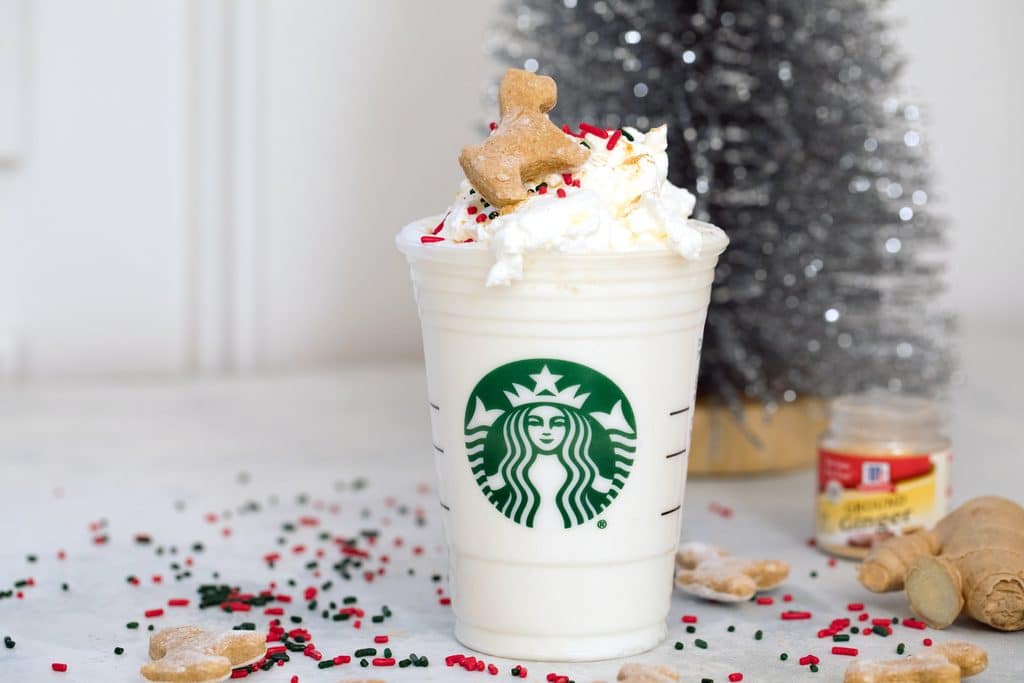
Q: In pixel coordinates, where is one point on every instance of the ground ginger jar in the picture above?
(883, 470)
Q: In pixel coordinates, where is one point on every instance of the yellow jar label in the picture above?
(864, 499)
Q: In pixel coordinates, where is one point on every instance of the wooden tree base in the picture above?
(784, 440)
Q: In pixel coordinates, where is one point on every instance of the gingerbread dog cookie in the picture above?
(188, 654)
(710, 572)
(525, 146)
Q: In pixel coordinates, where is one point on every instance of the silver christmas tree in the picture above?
(786, 122)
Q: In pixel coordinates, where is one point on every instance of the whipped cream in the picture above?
(619, 200)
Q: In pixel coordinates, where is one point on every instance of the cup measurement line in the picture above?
(672, 455)
(445, 506)
(438, 449)
(434, 405)
(679, 412)
(669, 512)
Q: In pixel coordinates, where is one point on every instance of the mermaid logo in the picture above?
(547, 456)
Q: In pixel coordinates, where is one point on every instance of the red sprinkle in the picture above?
(561, 193)
(792, 616)
(452, 660)
(809, 659)
(736, 676)
(274, 611)
(831, 561)
(542, 189)
(430, 239)
(481, 218)
(309, 593)
(567, 178)
(295, 679)
(850, 651)
(239, 673)
(380, 639)
(765, 600)
(594, 130)
(341, 659)
(59, 666)
(787, 598)
(177, 602)
(492, 669)
(492, 125)
(568, 131)
(881, 622)
(445, 601)
(689, 619)
(914, 623)
(927, 642)
(855, 606)
(863, 617)
(612, 141)
(154, 612)
(471, 210)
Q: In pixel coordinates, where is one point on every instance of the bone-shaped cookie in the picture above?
(189, 654)
(525, 146)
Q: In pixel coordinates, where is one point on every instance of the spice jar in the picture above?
(883, 470)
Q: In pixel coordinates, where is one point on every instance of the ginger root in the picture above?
(973, 559)
(946, 663)
(711, 573)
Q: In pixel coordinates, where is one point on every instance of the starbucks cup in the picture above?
(561, 409)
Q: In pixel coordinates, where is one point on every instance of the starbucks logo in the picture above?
(550, 442)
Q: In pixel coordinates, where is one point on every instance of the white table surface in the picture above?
(158, 456)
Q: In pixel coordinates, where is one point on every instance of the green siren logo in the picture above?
(550, 442)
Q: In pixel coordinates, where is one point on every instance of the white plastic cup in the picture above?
(561, 409)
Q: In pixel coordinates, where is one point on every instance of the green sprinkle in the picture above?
(365, 652)
(377, 618)
(151, 628)
(325, 664)
(387, 652)
(31, 558)
(404, 663)
(679, 645)
(132, 625)
(626, 135)
(118, 650)
(814, 574)
(758, 635)
(363, 663)
(423, 661)
(691, 629)
(854, 629)
(895, 620)
(900, 649)
(731, 629)
(814, 668)
(707, 680)
(9, 642)
(312, 605)
(880, 630)
(64, 587)
(701, 644)
(349, 600)
(584, 143)
(840, 637)
(784, 656)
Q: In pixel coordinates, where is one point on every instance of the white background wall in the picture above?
(215, 185)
